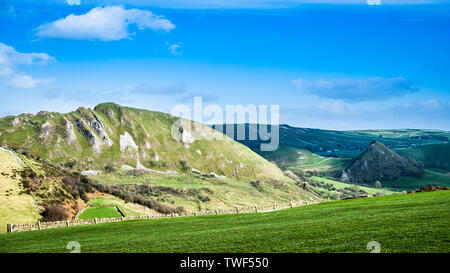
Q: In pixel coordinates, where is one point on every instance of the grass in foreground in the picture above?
(400, 223)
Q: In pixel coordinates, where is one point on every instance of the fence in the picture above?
(70, 223)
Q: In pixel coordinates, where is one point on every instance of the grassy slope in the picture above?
(434, 156)
(151, 131)
(339, 185)
(15, 206)
(225, 193)
(400, 223)
(413, 183)
(104, 207)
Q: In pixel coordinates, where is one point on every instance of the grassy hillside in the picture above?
(412, 183)
(341, 185)
(15, 203)
(195, 193)
(400, 223)
(335, 143)
(433, 156)
(112, 137)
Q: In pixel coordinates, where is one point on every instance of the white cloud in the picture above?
(375, 88)
(10, 59)
(25, 81)
(175, 50)
(74, 2)
(104, 23)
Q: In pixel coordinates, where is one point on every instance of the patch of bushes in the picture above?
(203, 198)
(54, 213)
(109, 168)
(258, 185)
(31, 182)
(78, 186)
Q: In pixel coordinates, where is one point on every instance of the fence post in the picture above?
(8, 228)
(256, 209)
(237, 210)
(39, 225)
(274, 206)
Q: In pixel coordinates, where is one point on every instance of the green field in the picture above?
(104, 207)
(400, 223)
(341, 185)
(412, 183)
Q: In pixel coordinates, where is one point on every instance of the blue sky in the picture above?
(328, 64)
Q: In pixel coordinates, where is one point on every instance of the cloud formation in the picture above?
(10, 59)
(104, 23)
(73, 2)
(175, 50)
(375, 88)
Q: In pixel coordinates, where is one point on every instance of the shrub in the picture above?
(203, 198)
(55, 213)
(109, 168)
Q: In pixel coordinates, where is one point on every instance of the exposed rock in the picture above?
(213, 174)
(97, 125)
(147, 145)
(127, 141)
(46, 131)
(71, 137)
(90, 136)
(89, 172)
(126, 168)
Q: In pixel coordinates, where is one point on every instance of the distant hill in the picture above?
(329, 151)
(433, 156)
(379, 163)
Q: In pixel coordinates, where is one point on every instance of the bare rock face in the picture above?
(97, 125)
(46, 131)
(71, 137)
(88, 134)
(126, 142)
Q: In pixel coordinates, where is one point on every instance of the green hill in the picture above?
(115, 137)
(433, 156)
(379, 163)
(143, 157)
(399, 223)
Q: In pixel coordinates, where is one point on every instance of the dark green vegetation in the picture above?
(413, 183)
(337, 143)
(379, 163)
(400, 223)
(433, 156)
